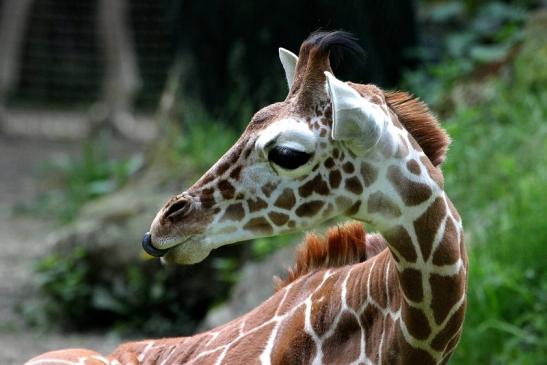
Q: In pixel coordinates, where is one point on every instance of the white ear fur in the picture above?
(288, 60)
(356, 121)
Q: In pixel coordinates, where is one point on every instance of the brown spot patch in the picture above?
(414, 167)
(448, 251)
(427, 225)
(226, 189)
(369, 173)
(207, 201)
(285, 200)
(207, 192)
(316, 184)
(343, 346)
(325, 304)
(348, 168)
(336, 153)
(450, 331)
(234, 212)
(247, 152)
(267, 189)
(256, 204)
(206, 179)
(411, 283)
(309, 209)
(447, 290)
(222, 168)
(259, 224)
(411, 192)
(371, 320)
(380, 203)
(236, 171)
(328, 116)
(416, 322)
(329, 163)
(434, 172)
(400, 240)
(354, 185)
(292, 344)
(335, 177)
(413, 355)
(354, 208)
(278, 219)
(378, 281)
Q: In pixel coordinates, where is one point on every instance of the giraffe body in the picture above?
(329, 315)
(330, 149)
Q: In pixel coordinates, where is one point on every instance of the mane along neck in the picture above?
(347, 244)
(421, 123)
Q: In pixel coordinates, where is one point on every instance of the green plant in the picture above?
(496, 173)
(474, 34)
(203, 140)
(74, 181)
(146, 298)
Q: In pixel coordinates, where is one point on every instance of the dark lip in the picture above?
(149, 248)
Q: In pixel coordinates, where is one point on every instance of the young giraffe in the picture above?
(331, 148)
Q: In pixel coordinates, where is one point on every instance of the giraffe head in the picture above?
(299, 162)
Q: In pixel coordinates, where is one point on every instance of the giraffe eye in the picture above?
(288, 158)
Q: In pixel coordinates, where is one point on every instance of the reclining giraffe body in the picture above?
(330, 149)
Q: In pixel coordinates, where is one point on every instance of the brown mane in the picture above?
(416, 117)
(343, 245)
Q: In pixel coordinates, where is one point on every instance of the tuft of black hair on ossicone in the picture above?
(337, 43)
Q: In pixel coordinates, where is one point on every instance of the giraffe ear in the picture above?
(288, 60)
(355, 120)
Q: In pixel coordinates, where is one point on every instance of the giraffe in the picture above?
(330, 149)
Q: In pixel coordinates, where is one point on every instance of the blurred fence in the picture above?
(70, 55)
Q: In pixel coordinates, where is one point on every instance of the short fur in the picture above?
(344, 245)
(416, 117)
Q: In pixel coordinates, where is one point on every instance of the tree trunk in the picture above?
(121, 80)
(13, 21)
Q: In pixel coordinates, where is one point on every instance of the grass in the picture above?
(496, 173)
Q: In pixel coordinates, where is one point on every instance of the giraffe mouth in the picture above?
(152, 250)
(149, 248)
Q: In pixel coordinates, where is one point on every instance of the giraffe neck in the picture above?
(425, 239)
(405, 201)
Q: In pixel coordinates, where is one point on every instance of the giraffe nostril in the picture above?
(178, 210)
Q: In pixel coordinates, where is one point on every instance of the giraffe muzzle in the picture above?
(149, 248)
